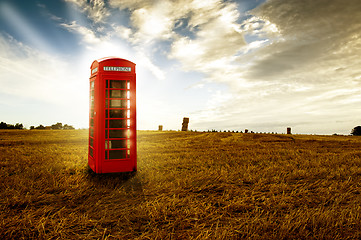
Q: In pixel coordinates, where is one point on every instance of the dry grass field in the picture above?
(188, 186)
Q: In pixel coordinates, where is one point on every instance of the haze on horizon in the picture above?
(227, 65)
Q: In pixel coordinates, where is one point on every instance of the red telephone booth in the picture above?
(112, 116)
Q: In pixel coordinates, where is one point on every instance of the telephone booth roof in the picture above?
(113, 61)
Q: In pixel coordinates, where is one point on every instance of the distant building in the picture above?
(185, 124)
(289, 130)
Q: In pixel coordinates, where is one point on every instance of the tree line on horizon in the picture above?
(57, 126)
(4, 125)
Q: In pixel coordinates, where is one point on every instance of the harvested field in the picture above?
(189, 185)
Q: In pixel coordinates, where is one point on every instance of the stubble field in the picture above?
(188, 186)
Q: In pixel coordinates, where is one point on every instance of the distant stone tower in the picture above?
(185, 124)
(289, 130)
(160, 128)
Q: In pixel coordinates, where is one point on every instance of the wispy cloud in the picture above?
(218, 37)
(315, 36)
(95, 9)
(87, 35)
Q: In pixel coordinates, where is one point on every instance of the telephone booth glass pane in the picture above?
(117, 94)
(117, 144)
(117, 123)
(117, 103)
(121, 133)
(117, 113)
(117, 154)
(118, 84)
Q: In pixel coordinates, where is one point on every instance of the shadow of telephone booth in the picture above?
(112, 116)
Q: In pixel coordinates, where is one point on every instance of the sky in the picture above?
(262, 65)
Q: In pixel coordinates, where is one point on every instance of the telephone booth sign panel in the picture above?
(112, 116)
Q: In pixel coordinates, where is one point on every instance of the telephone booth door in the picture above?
(112, 118)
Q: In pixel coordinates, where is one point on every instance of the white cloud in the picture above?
(153, 23)
(254, 45)
(145, 61)
(150, 20)
(158, 20)
(123, 32)
(87, 35)
(259, 27)
(95, 9)
(217, 41)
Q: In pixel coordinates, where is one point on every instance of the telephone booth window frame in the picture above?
(117, 89)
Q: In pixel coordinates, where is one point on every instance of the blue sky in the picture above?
(227, 65)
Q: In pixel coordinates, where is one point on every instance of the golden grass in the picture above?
(188, 186)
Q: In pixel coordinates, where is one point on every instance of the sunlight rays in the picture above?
(23, 27)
